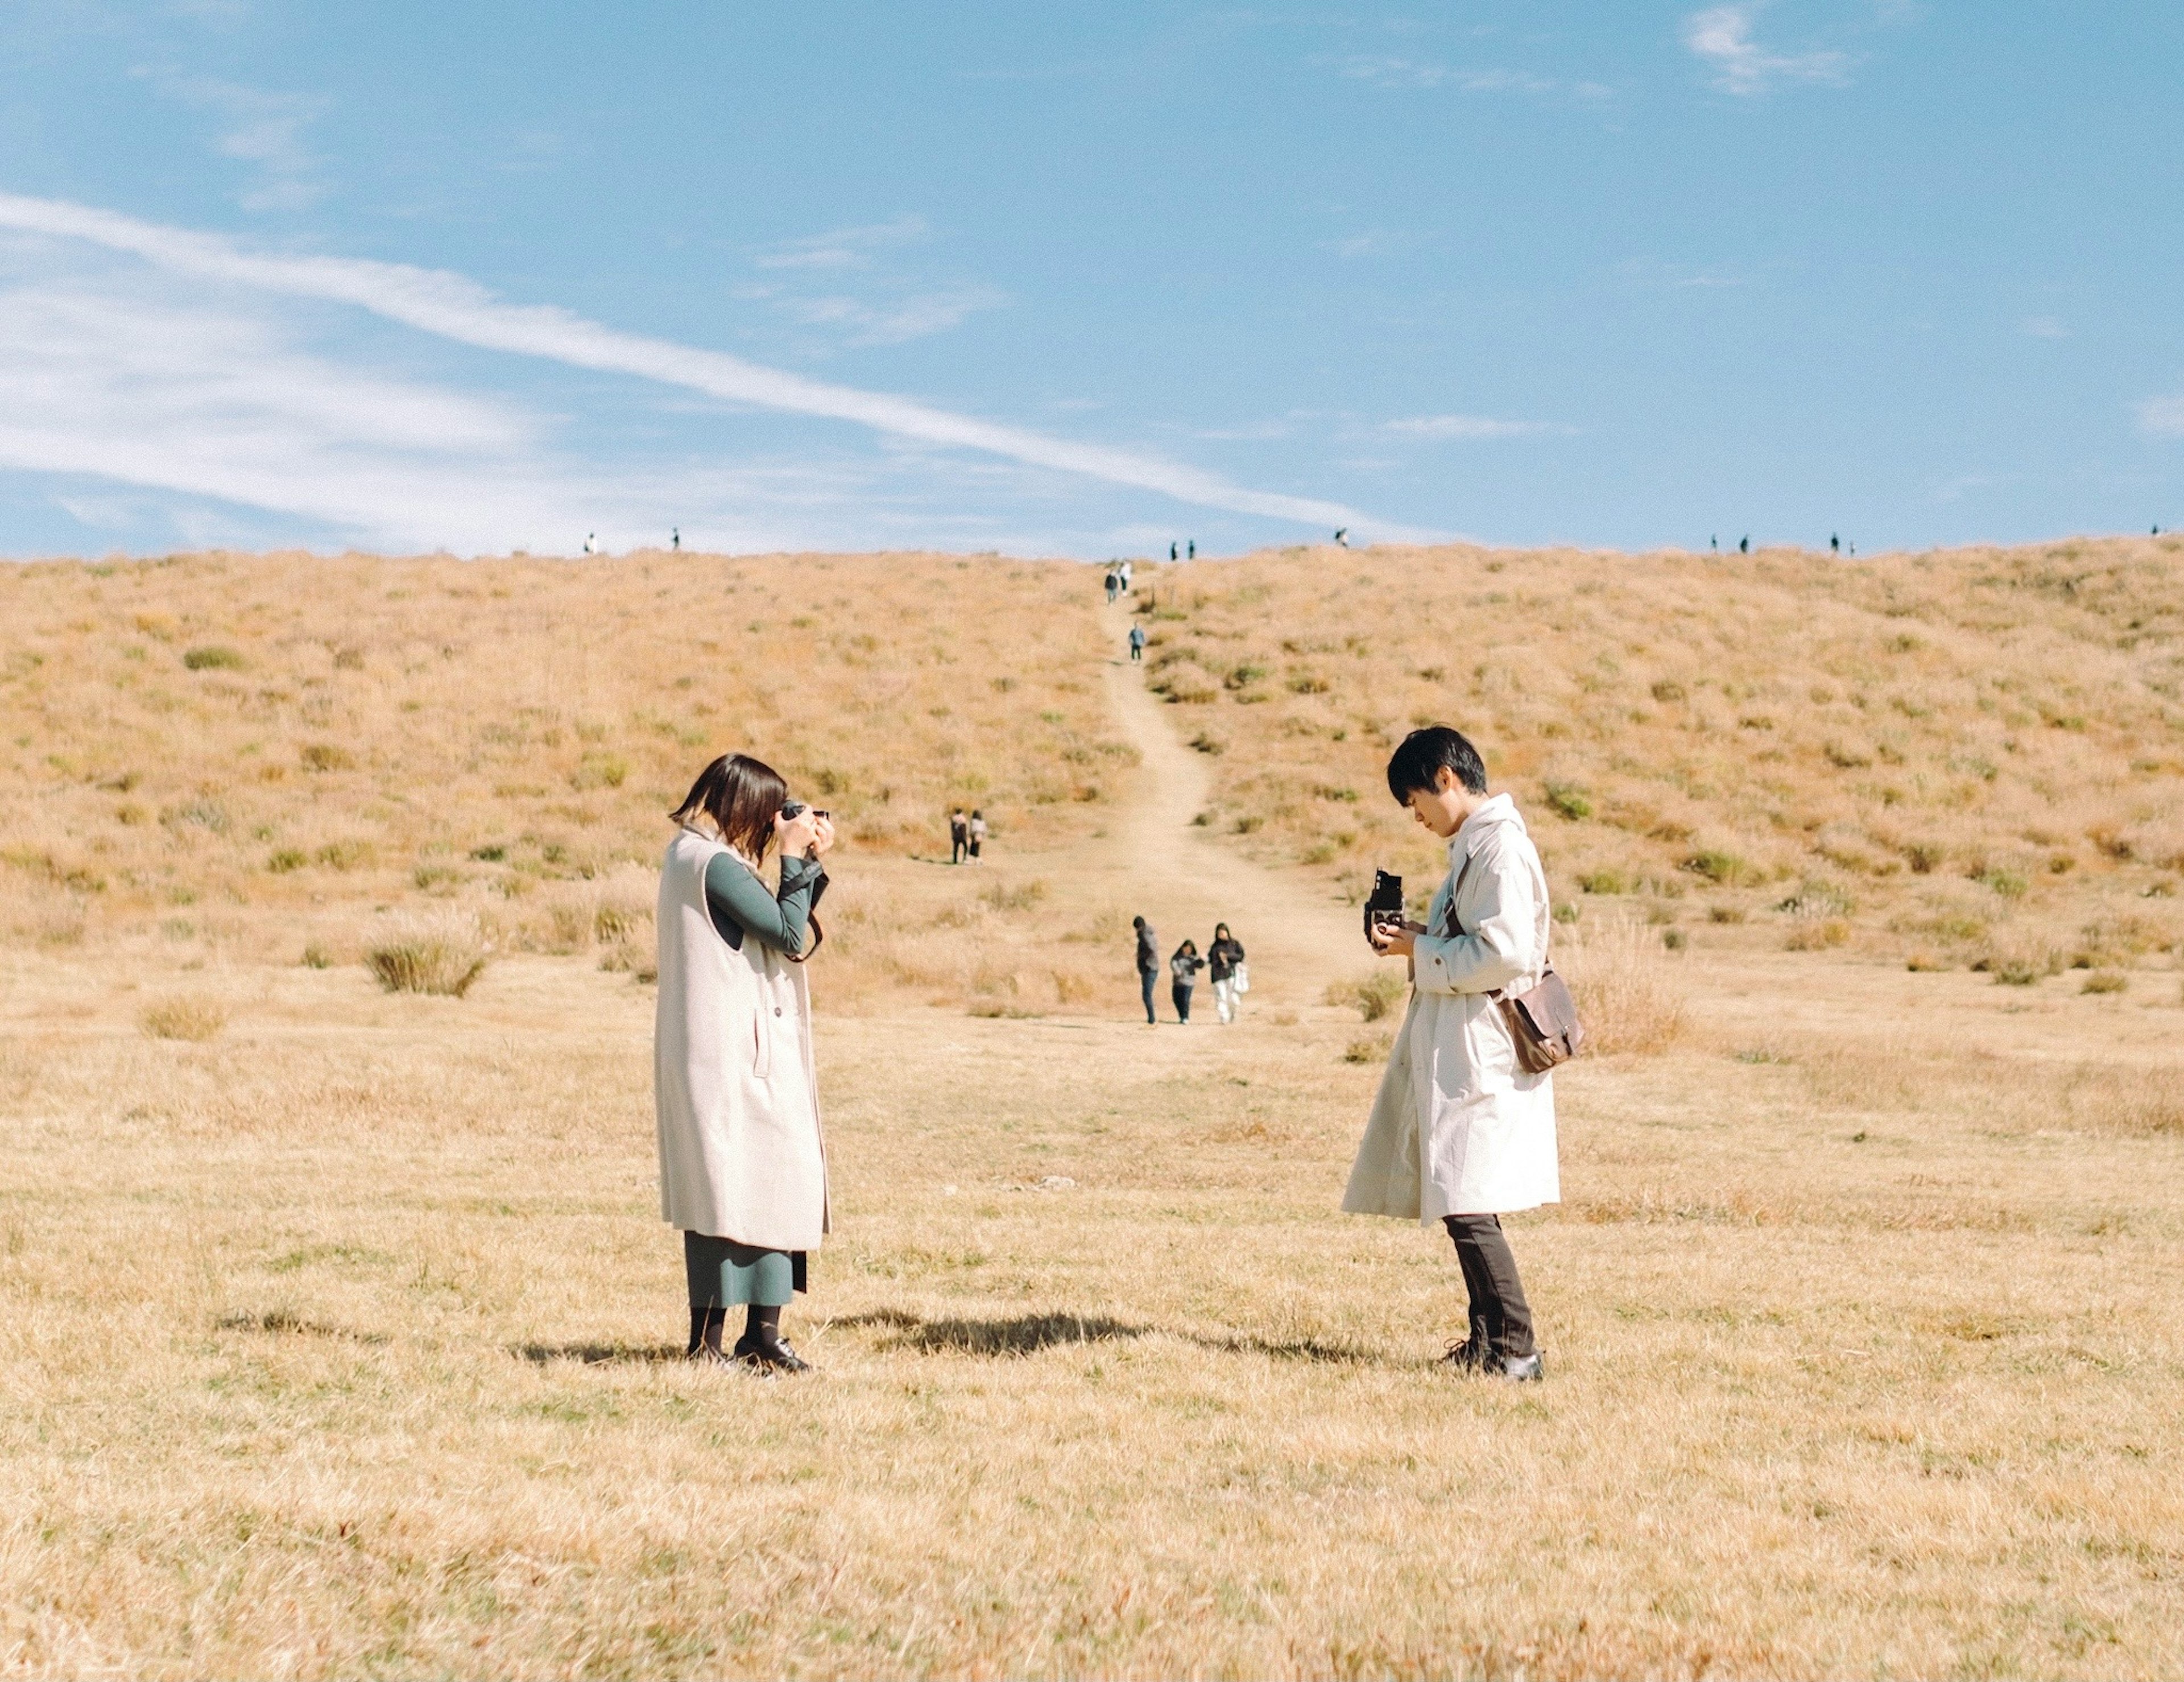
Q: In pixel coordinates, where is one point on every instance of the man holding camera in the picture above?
(1461, 1133)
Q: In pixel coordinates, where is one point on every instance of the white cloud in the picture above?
(1401, 73)
(262, 130)
(1722, 35)
(1468, 426)
(844, 247)
(455, 307)
(904, 318)
(2162, 417)
(897, 313)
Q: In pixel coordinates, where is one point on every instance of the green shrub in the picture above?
(1604, 882)
(1723, 869)
(326, 756)
(1568, 800)
(213, 659)
(599, 770)
(286, 858)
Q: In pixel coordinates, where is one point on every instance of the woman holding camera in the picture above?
(742, 1166)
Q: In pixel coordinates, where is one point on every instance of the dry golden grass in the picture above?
(345, 1341)
(1930, 754)
(250, 755)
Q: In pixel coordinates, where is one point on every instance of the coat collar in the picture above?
(1499, 809)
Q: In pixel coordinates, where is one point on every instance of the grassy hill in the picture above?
(1973, 756)
(254, 756)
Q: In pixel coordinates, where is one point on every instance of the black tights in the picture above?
(760, 1325)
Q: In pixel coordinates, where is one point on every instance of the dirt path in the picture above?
(1176, 874)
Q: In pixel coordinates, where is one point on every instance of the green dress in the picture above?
(722, 1273)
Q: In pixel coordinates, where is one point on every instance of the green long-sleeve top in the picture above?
(739, 902)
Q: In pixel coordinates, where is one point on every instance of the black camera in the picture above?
(796, 808)
(1386, 904)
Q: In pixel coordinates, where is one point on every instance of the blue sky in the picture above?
(1079, 279)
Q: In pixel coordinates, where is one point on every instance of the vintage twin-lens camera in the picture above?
(1384, 907)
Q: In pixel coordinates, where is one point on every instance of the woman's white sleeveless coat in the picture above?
(741, 1155)
(1459, 1128)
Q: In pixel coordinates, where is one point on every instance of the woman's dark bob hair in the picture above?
(743, 796)
(1422, 755)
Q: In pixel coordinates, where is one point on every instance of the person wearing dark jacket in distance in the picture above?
(743, 1164)
(1184, 966)
(1149, 965)
(1224, 959)
(1461, 1133)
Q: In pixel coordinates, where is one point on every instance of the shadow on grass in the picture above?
(603, 1354)
(1029, 1334)
(281, 1322)
(1018, 1335)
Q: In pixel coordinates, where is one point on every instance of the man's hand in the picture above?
(1396, 939)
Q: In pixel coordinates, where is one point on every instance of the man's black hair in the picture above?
(1417, 762)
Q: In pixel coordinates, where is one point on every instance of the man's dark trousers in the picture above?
(1500, 1319)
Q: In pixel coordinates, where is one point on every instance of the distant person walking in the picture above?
(1224, 967)
(1171, 551)
(1149, 965)
(675, 539)
(743, 1166)
(1183, 971)
(1114, 585)
(1461, 1133)
(1744, 546)
(959, 836)
(590, 543)
(977, 834)
(1137, 643)
(1834, 543)
(1191, 550)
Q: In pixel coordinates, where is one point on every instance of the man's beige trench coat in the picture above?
(741, 1155)
(1458, 1128)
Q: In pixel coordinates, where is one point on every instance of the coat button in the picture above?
(776, 1010)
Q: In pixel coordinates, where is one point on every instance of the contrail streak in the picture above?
(452, 306)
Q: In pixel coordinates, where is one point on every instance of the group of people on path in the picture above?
(1223, 960)
(1119, 581)
(966, 835)
(1461, 1131)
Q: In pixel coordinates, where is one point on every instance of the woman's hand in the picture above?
(796, 836)
(1396, 939)
(823, 842)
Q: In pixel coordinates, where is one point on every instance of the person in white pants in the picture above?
(1224, 962)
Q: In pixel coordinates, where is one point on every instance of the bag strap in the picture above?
(1455, 928)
